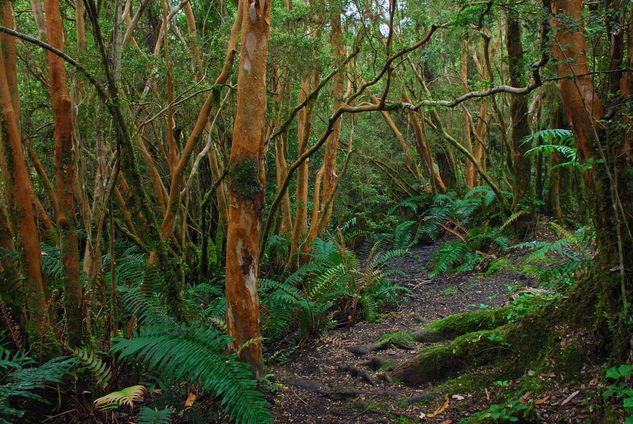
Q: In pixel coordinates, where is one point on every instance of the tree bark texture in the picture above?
(39, 331)
(600, 142)
(64, 177)
(246, 186)
(521, 166)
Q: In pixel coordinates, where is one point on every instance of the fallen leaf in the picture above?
(570, 397)
(190, 399)
(442, 408)
(542, 401)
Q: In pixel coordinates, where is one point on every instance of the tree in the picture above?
(603, 142)
(246, 186)
(65, 176)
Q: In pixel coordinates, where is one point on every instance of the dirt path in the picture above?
(335, 380)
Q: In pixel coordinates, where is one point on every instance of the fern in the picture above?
(126, 396)
(326, 279)
(402, 235)
(51, 261)
(195, 353)
(571, 247)
(448, 256)
(22, 379)
(557, 135)
(95, 365)
(554, 141)
(145, 308)
(154, 416)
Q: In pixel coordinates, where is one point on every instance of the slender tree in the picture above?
(65, 176)
(246, 185)
(521, 166)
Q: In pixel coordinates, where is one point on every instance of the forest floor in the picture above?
(338, 378)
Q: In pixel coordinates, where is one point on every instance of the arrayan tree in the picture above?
(216, 141)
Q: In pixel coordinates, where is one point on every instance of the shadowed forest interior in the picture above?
(316, 211)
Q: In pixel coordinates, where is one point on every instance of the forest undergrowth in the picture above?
(351, 374)
(362, 335)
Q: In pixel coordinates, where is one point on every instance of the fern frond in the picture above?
(549, 136)
(99, 369)
(146, 308)
(402, 234)
(154, 416)
(195, 353)
(325, 279)
(390, 254)
(447, 256)
(569, 236)
(511, 219)
(22, 379)
(126, 396)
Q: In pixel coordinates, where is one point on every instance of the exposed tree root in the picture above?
(539, 340)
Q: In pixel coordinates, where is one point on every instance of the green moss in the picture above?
(244, 178)
(512, 347)
(532, 271)
(498, 265)
(400, 337)
(449, 291)
(466, 322)
(570, 360)
(441, 361)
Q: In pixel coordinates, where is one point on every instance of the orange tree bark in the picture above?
(424, 148)
(39, 331)
(521, 166)
(322, 202)
(179, 165)
(331, 146)
(304, 123)
(65, 176)
(600, 140)
(246, 185)
(470, 166)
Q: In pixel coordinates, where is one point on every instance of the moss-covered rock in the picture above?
(466, 322)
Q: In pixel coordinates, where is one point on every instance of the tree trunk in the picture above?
(42, 342)
(64, 177)
(600, 142)
(416, 120)
(468, 144)
(246, 186)
(521, 167)
(304, 121)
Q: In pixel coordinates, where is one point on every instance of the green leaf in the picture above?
(625, 370)
(612, 373)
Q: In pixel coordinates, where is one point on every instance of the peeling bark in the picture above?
(40, 334)
(246, 186)
(64, 177)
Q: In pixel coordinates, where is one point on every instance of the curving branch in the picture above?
(100, 90)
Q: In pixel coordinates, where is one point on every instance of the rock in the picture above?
(310, 385)
(343, 393)
(363, 349)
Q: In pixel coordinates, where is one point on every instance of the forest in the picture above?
(316, 211)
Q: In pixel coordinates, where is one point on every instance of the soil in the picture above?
(338, 378)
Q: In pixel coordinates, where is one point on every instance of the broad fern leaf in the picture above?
(126, 396)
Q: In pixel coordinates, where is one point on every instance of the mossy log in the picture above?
(465, 322)
(513, 346)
